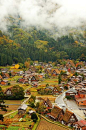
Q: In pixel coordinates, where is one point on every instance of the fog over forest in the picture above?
(47, 14)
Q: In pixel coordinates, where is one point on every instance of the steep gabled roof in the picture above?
(8, 89)
(56, 70)
(68, 115)
(56, 111)
(46, 100)
(36, 77)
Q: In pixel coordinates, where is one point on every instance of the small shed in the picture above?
(31, 112)
(22, 109)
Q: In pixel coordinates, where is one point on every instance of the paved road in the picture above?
(71, 104)
(61, 101)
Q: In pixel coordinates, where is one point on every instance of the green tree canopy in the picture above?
(17, 92)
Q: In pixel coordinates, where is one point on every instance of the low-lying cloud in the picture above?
(44, 13)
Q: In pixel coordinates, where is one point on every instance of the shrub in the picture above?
(68, 97)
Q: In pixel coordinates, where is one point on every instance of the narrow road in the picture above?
(60, 101)
(16, 110)
(9, 113)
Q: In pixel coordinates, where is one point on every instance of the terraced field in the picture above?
(44, 125)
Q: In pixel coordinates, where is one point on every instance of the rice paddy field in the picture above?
(44, 125)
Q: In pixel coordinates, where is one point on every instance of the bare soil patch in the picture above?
(9, 109)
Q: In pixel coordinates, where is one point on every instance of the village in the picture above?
(54, 94)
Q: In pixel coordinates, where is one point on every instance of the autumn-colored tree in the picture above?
(82, 57)
(59, 79)
(27, 64)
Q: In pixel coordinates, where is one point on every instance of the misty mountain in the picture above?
(19, 43)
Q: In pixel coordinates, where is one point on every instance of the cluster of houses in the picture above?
(62, 115)
(50, 90)
(75, 83)
(78, 94)
(6, 73)
(57, 113)
(67, 117)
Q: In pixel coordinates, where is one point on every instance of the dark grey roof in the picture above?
(23, 107)
(72, 90)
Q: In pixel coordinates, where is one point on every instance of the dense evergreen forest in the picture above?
(19, 44)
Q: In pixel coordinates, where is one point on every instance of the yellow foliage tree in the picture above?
(16, 66)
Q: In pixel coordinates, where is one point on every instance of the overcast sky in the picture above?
(44, 13)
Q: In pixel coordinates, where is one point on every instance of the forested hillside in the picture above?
(19, 44)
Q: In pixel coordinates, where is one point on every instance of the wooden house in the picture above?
(71, 93)
(8, 91)
(22, 109)
(69, 118)
(81, 101)
(47, 103)
(82, 93)
(80, 125)
(53, 90)
(28, 72)
(30, 112)
(55, 72)
(56, 91)
(48, 70)
(81, 98)
(56, 113)
(4, 82)
(6, 75)
(21, 80)
(28, 92)
(13, 73)
(34, 78)
(32, 69)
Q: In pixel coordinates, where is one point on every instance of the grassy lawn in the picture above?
(25, 86)
(33, 89)
(34, 93)
(7, 67)
(5, 87)
(15, 70)
(13, 128)
(50, 81)
(15, 78)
